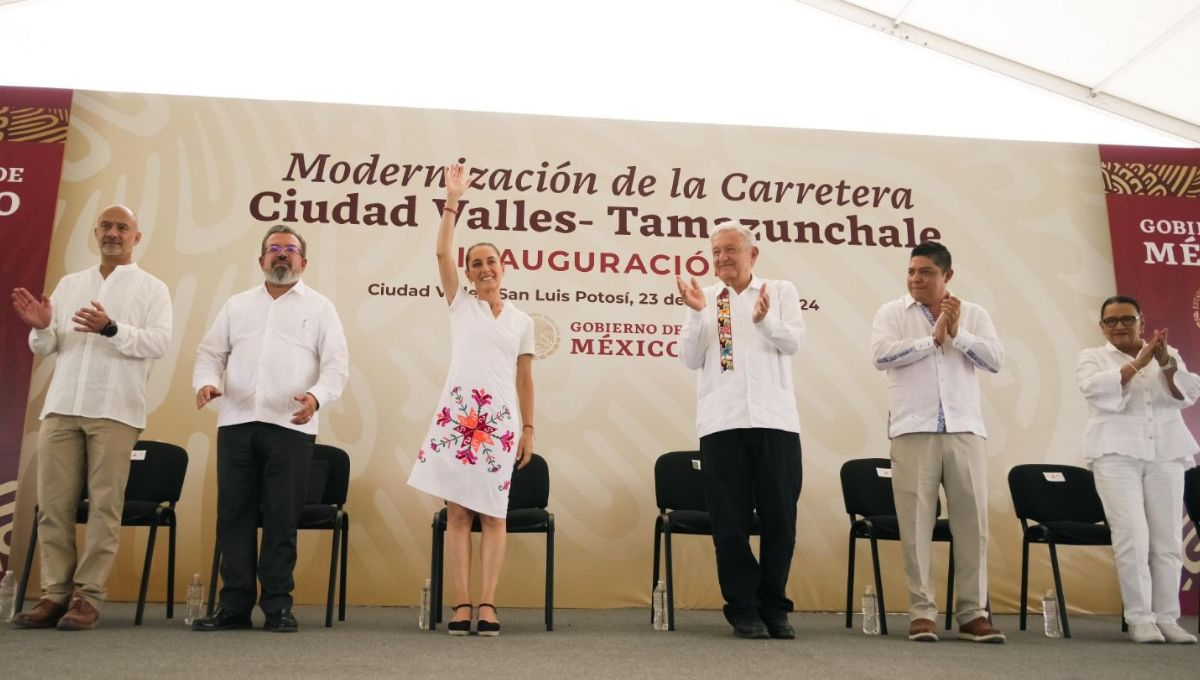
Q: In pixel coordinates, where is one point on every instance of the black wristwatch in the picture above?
(110, 329)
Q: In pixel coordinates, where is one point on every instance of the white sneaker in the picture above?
(1145, 632)
(1173, 632)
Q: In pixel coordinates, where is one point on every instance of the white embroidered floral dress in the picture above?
(468, 454)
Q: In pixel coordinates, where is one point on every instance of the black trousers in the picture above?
(260, 468)
(744, 470)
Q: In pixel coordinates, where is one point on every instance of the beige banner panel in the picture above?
(597, 217)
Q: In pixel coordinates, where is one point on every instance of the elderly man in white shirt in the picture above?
(1138, 447)
(741, 335)
(932, 346)
(283, 354)
(106, 324)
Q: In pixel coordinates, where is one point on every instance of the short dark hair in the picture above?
(934, 251)
(467, 256)
(284, 229)
(1120, 300)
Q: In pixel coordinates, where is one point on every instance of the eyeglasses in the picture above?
(289, 249)
(1126, 321)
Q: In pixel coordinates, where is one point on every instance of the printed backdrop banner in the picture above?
(33, 130)
(595, 219)
(1153, 198)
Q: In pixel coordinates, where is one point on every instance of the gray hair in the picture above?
(733, 226)
(284, 229)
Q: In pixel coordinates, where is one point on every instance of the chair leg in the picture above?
(550, 575)
(345, 559)
(23, 585)
(1024, 593)
(212, 580)
(950, 588)
(670, 577)
(335, 543)
(141, 605)
(434, 570)
(171, 564)
(1062, 600)
(657, 563)
(878, 585)
(850, 582)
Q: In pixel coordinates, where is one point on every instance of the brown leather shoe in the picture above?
(81, 615)
(922, 630)
(45, 615)
(979, 630)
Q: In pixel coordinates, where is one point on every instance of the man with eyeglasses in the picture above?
(106, 325)
(283, 354)
(932, 346)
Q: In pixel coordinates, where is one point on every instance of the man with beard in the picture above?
(106, 324)
(283, 354)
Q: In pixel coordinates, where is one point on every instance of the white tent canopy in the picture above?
(758, 62)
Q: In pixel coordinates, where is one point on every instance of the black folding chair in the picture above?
(679, 493)
(327, 488)
(528, 496)
(871, 504)
(154, 486)
(1191, 501)
(1057, 505)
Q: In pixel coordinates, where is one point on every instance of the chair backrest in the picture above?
(1054, 493)
(1191, 494)
(336, 472)
(679, 481)
(867, 488)
(530, 486)
(158, 477)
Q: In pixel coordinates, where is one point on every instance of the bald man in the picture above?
(106, 324)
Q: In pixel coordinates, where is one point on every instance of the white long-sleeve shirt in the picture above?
(272, 350)
(1140, 419)
(95, 376)
(931, 388)
(759, 391)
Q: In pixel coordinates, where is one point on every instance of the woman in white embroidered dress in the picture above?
(484, 421)
(1138, 447)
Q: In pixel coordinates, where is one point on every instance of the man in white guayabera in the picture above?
(282, 352)
(740, 335)
(106, 324)
(931, 344)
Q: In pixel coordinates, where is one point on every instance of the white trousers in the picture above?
(1143, 502)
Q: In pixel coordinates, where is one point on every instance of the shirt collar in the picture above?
(298, 289)
(755, 284)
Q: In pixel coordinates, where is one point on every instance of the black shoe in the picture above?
(222, 619)
(487, 628)
(281, 621)
(780, 630)
(751, 629)
(460, 628)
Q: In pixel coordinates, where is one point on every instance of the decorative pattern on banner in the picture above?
(34, 124)
(33, 132)
(1151, 179)
(1154, 221)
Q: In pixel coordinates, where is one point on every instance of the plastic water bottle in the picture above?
(658, 601)
(1050, 619)
(426, 607)
(8, 596)
(195, 600)
(870, 612)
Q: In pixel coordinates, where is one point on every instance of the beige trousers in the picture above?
(72, 451)
(921, 462)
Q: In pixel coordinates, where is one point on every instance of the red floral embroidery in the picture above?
(443, 417)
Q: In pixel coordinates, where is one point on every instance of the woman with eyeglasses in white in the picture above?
(1138, 447)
